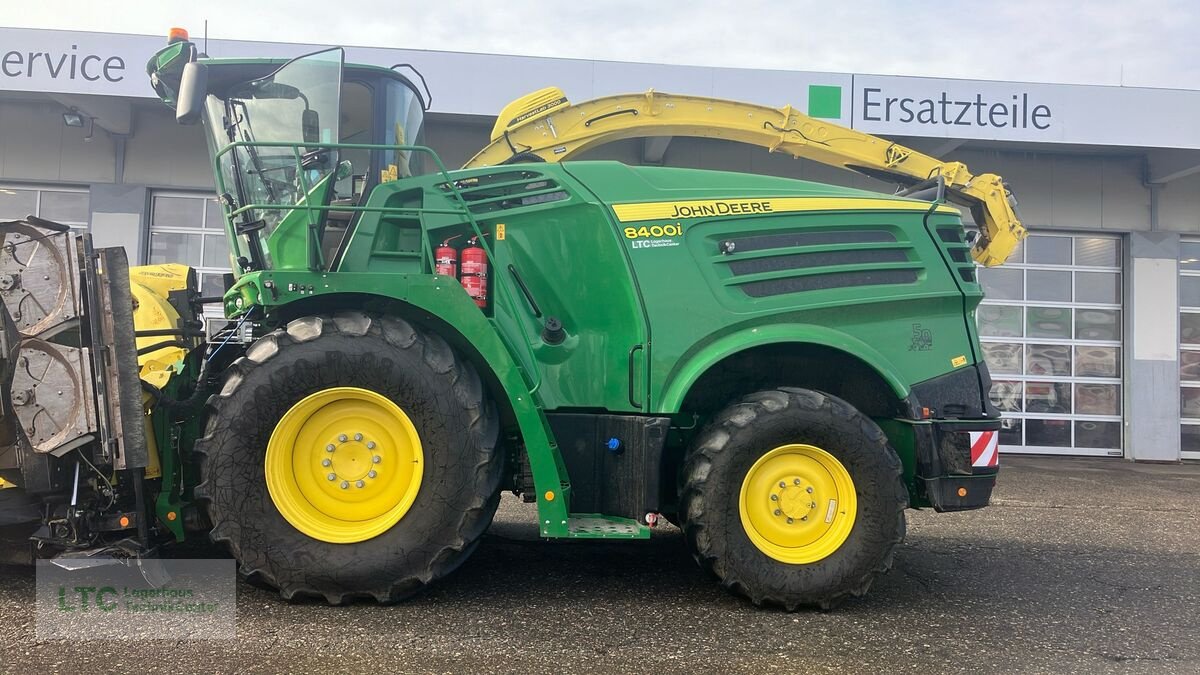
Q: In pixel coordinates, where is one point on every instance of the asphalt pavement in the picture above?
(1079, 566)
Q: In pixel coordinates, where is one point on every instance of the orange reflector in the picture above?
(177, 35)
(124, 521)
(549, 495)
(926, 413)
(962, 492)
(171, 515)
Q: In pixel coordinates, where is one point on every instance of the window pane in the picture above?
(1048, 322)
(1048, 250)
(1048, 397)
(1050, 433)
(175, 247)
(177, 212)
(1097, 362)
(212, 285)
(1048, 285)
(1097, 252)
(1098, 324)
(1097, 399)
(1002, 357)
(1189, 329)
(1006, 395)
(1189, 291)
(1018, 254)
(1002, 284)
(216, 252)
(1090, 434)
(1189, 259)
(1190, 438)
(1189, 402)
(65, 207)
(1100, 287)
(1048, 360)
(1010, 432)
(1189, 366)
(214, 216)
(997, 321)
(16, 204)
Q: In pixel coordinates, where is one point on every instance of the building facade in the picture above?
(1092, 331)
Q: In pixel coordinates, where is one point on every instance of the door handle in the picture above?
(632, 375)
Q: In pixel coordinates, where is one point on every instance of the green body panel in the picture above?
(697, 316)
(659, 317)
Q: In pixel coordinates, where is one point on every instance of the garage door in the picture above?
(1051, 334)
(1189, 348)
(188, 228)
(66, 205)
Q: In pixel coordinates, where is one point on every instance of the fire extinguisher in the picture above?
(475, 271)
(445, 259)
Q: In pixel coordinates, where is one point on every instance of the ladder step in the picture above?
(597, 526)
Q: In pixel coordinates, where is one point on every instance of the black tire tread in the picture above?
(714, 439)
(441, 359)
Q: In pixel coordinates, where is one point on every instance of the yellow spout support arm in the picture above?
(545, 126)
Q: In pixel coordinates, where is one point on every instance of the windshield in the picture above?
(405, 116)
(296, 104)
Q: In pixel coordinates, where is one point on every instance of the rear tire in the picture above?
(458, 486)
(714, 500)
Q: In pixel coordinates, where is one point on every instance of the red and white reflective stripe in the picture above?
(985, 449)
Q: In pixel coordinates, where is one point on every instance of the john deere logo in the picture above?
(825, 101)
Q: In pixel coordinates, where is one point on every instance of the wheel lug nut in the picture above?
(371, 473)
(370, 445)
(343, 438)
(358, 437)
(808, 490)
(345, 484)
(790, 521)
(330, 448)
(812, 505)
(332, 476)
(774, 498)
(795, 481)
(359, 483)
(803, 517)
(326, 462)
(778, 512)
(782, 484)
(376, 459)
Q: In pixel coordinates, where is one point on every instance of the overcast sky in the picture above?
(1152, 43)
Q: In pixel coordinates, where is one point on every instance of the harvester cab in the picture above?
(298, 144)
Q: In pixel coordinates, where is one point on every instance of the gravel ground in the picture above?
(1079, 566)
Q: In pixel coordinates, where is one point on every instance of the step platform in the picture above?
(598, 526)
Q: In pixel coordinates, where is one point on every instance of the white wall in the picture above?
(35, 145)
(162, 153)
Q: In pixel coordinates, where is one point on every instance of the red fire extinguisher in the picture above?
(445, 259)
(475, 271)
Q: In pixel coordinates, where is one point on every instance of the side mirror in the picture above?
(310, 123)
(193, 88)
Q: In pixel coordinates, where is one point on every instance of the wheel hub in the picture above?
(795, 499)
(344, 465)
(798, 504)
(351, 460)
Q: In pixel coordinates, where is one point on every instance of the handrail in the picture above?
(313, 247)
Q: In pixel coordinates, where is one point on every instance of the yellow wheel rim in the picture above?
(798, 504)
(344, 465)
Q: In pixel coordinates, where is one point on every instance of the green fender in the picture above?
(689, 371)
(440, 297)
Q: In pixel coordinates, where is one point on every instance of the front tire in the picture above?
(415, 471)
(793, 497)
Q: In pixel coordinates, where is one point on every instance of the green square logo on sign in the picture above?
(825, 101)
